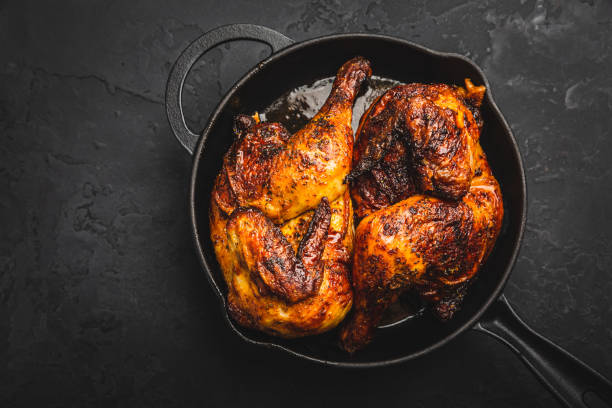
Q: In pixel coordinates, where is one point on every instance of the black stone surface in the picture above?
(102, 301)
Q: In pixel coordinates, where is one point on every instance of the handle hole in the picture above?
(214, 74)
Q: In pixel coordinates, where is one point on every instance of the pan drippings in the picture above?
(295, 108)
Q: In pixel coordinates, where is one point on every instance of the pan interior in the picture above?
(301, 77)
(296, 107)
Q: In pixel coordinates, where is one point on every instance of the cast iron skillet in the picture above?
(485, 309)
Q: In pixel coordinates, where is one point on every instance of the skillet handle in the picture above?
(573, 382)
(192, 53)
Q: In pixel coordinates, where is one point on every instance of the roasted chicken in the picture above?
(432, 207)
(282, 220)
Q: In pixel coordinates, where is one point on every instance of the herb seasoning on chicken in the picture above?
(432, 207)
(282, 220)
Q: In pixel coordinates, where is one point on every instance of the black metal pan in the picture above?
(485, 309)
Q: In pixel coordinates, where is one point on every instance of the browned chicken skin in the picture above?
(266, 252)
(282, 220)
(432, 207)
(283, 175)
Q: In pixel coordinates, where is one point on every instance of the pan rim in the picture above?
(296, 47)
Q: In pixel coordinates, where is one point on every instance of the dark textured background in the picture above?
(102, 301)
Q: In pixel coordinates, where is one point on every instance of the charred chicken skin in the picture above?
(282, 219)
(432, 207)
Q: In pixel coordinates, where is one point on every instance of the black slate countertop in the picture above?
(102, 300)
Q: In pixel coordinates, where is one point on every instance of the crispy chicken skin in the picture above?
(275, 267)
(281, 217)
(283, 175)
(430, 234)
(416, 138)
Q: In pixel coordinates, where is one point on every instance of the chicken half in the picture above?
(282, 219)
(432, 207)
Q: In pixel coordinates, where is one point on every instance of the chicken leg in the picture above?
(283, 175)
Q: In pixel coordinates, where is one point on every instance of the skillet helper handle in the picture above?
(192, 53)
(573, 382)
